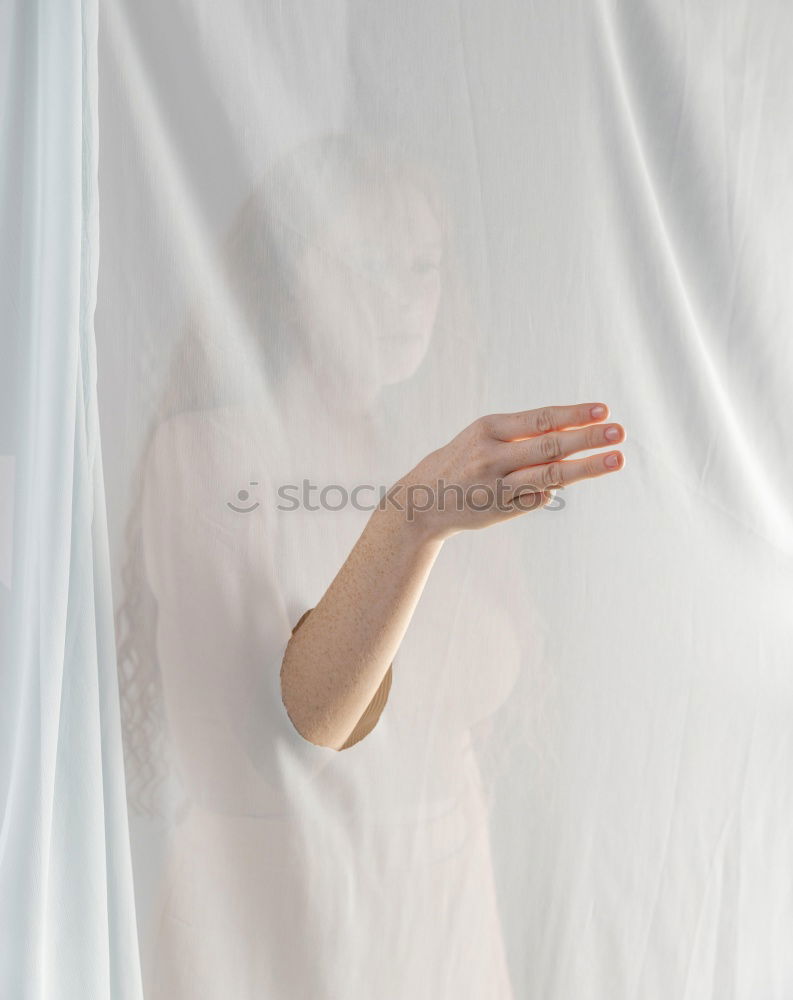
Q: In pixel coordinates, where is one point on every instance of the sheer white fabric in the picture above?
(333, 235)
(67, 915)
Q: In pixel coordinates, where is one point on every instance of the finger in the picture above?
(528, 423)
(527, 501)
(545, 448)
(557, 474)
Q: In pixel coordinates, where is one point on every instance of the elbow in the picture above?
(313, 734)
(333, 729)
(304, 722)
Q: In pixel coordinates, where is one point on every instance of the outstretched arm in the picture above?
(336, 662)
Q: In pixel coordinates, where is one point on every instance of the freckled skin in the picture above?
(335, 663)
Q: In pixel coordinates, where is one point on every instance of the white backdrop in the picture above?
(579, 786)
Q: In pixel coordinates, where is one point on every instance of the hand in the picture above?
(504, 465)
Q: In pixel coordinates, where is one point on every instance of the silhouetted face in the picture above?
(368, 289)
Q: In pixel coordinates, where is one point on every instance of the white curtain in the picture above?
(67, 918)
(335, 234)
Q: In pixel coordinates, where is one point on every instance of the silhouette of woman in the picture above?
(332, 837)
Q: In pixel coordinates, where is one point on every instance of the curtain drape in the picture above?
(67, 917)
(288, 253)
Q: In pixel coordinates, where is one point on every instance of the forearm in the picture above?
(336, 661)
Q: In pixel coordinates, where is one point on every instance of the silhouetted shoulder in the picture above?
(204, 483)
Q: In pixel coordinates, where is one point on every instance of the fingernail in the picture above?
(598, 411)
(612, 433)
(612, 461)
